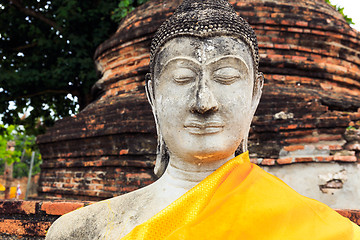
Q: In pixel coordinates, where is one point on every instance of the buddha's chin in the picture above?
(208, 147)
(208, 155)
(212, 157)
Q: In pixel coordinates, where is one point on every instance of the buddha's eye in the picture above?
(226, 75)
(184, 75)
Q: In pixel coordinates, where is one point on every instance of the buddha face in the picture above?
(202, 96)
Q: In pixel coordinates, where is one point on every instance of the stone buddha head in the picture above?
(204, 85)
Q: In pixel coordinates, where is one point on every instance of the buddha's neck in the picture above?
(185, 175)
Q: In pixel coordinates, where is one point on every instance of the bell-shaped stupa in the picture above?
(304, 130)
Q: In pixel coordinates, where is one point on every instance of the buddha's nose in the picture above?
(204, 100)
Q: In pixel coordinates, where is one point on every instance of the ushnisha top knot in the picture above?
(204, 18)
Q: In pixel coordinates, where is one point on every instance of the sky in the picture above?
(352, 9)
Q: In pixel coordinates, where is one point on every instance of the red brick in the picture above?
(304, 159)
(67, 185)
(317, 32)
(325, 159)
(129, 188)
(20, 227)
(335, 147)
(18, 207)
(345, 158)
(282, 46)
(292, 148)
(124, 151)
(301, 23)
(286, 22)
(144, 176)
(28, 207)
(288, 127)
(111, 188)
(268, 161)
(303, 140)
(330, 137)
(270, 21)
(299, 58)
(60, 208)
(293, 29)
(322, 146)
(284, 160)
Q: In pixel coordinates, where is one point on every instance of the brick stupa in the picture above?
(311, 61)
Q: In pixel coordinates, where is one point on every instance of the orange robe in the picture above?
(242, 201)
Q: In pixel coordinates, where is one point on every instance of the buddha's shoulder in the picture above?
(119, 214)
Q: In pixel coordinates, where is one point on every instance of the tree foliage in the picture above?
(46, 53)
(7, 155)
(124, 7)
(21, 156)
(341, 10)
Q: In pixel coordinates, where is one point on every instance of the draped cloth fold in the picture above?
(242, 201)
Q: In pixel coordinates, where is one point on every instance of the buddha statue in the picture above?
(204, 87)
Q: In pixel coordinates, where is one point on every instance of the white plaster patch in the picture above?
(283, 115)
(341, 175)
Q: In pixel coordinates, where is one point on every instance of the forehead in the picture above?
(203, 50)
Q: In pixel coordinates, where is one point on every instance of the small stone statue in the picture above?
(204, 88)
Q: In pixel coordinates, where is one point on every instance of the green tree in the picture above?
(7, 155)
(124, 7)
(21, 157)
(26, 145)
(46, 53)
(341, 10)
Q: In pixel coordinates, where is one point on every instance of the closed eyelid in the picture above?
(227, 72)
(231, 57)
(179, 60)
(183, 73)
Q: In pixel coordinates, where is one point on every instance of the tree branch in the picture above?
(48, 91)
(27, 46)
(34, 14)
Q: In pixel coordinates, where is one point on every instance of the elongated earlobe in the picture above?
(149, 90)
(258, 86)
(162, 156)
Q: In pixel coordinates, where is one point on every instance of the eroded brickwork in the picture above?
(29, 220)
(310, 58)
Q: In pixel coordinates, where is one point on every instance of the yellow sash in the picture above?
(241, 201)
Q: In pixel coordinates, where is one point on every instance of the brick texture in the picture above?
(311, 61)
(29, 220)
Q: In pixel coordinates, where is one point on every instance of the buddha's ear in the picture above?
(258, 86)
(162, 157)
(149, 90)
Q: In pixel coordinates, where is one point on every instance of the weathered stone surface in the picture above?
(310, 58)
(333, 183)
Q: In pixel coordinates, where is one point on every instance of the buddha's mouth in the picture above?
(202, 128)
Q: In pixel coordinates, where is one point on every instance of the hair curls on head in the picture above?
(204, 18)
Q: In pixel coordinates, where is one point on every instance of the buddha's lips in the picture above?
(201, 128)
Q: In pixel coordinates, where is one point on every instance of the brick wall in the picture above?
(29, 220)
(311, 63)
